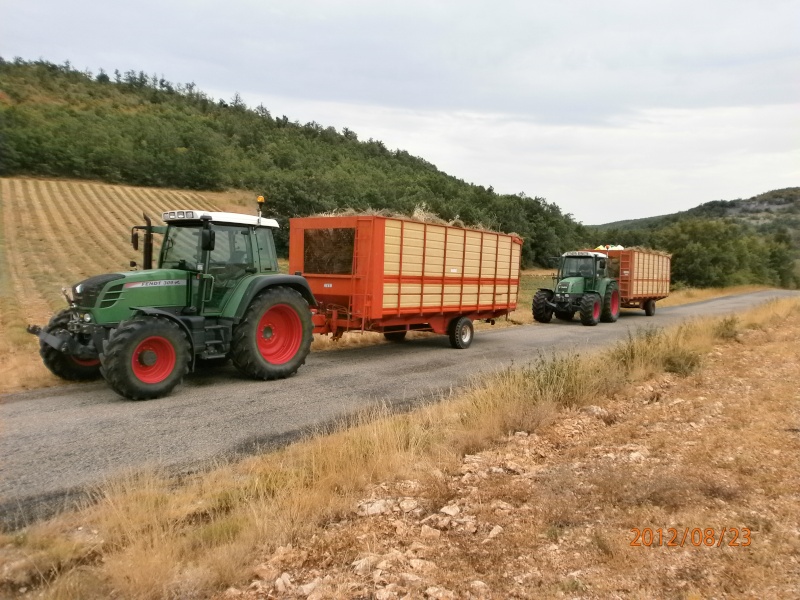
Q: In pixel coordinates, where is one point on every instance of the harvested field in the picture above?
(54, 233)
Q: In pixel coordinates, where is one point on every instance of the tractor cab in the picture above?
(579, 272)
(218, 250)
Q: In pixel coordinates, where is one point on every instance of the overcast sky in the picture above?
(610, 109)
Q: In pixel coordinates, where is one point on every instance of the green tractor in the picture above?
(216, 295)
(582, 286)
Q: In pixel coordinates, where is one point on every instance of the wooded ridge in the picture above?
(140, 129)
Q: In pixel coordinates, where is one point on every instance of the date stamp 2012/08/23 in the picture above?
(672, 537)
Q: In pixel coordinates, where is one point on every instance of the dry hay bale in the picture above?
(329, 251)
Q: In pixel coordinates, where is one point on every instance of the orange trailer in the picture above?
(393, 275)
(643, 276)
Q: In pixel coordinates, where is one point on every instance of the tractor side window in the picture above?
(232, 246)
(266, 249)
(221, 255)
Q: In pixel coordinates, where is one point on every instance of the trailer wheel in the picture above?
(541, 310)
(564, 315)
(590, 309)
(461, 333)
(610, 312)
(395, 336)
(273, 338)
(649, 307)
(145, 357)
(63, 365)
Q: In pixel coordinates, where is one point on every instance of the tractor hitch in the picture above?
(63, 343)
(60, 344)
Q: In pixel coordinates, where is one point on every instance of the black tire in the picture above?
(649, 307)
(590, 309)
(564, 315)
(542, 312)
(63, 365)
(145, 357)
(395, 336)
(274, 337)
(461, 333)
(610, 312)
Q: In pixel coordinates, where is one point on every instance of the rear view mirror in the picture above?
(135, 240)
(208, 239)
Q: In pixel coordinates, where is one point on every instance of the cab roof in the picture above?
(585, 253)
(182, 216)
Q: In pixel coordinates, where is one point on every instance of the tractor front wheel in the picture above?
(64, 365)
(542, 311)
(274, 337)
(590, 309)
(145, 357)
(610, 312)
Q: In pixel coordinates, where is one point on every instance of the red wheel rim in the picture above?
(615, 302)
(596, 310)
(279, 334)
(85, 362)
(153, 359)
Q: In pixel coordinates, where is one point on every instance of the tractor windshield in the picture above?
(577, 266)
(181, 248)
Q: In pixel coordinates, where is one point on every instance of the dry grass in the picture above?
(149, 536)
(689, 295)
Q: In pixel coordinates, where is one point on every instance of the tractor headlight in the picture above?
(87, 318)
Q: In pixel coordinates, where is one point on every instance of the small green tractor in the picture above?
(582, 286)
(216, 295)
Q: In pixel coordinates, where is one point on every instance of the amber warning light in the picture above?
(260, 200)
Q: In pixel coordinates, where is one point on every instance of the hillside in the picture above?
(140, 130)
(766, 212)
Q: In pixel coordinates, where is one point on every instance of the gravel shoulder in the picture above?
(57, 442)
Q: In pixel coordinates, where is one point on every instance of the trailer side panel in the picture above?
(641, 274)
(382, 271)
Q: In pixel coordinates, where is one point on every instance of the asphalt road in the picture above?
(57, 442)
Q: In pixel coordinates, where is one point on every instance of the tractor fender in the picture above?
(260, 284)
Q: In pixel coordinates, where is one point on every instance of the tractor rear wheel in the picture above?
(64, 365)
(541, 310)
(395, 336)
(273, 338)
(590, 309)
(461, 333)
(649, 307)
(564, 315)
(145, 357)
(610, 312)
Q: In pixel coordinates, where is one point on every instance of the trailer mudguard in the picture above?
(236, 308)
